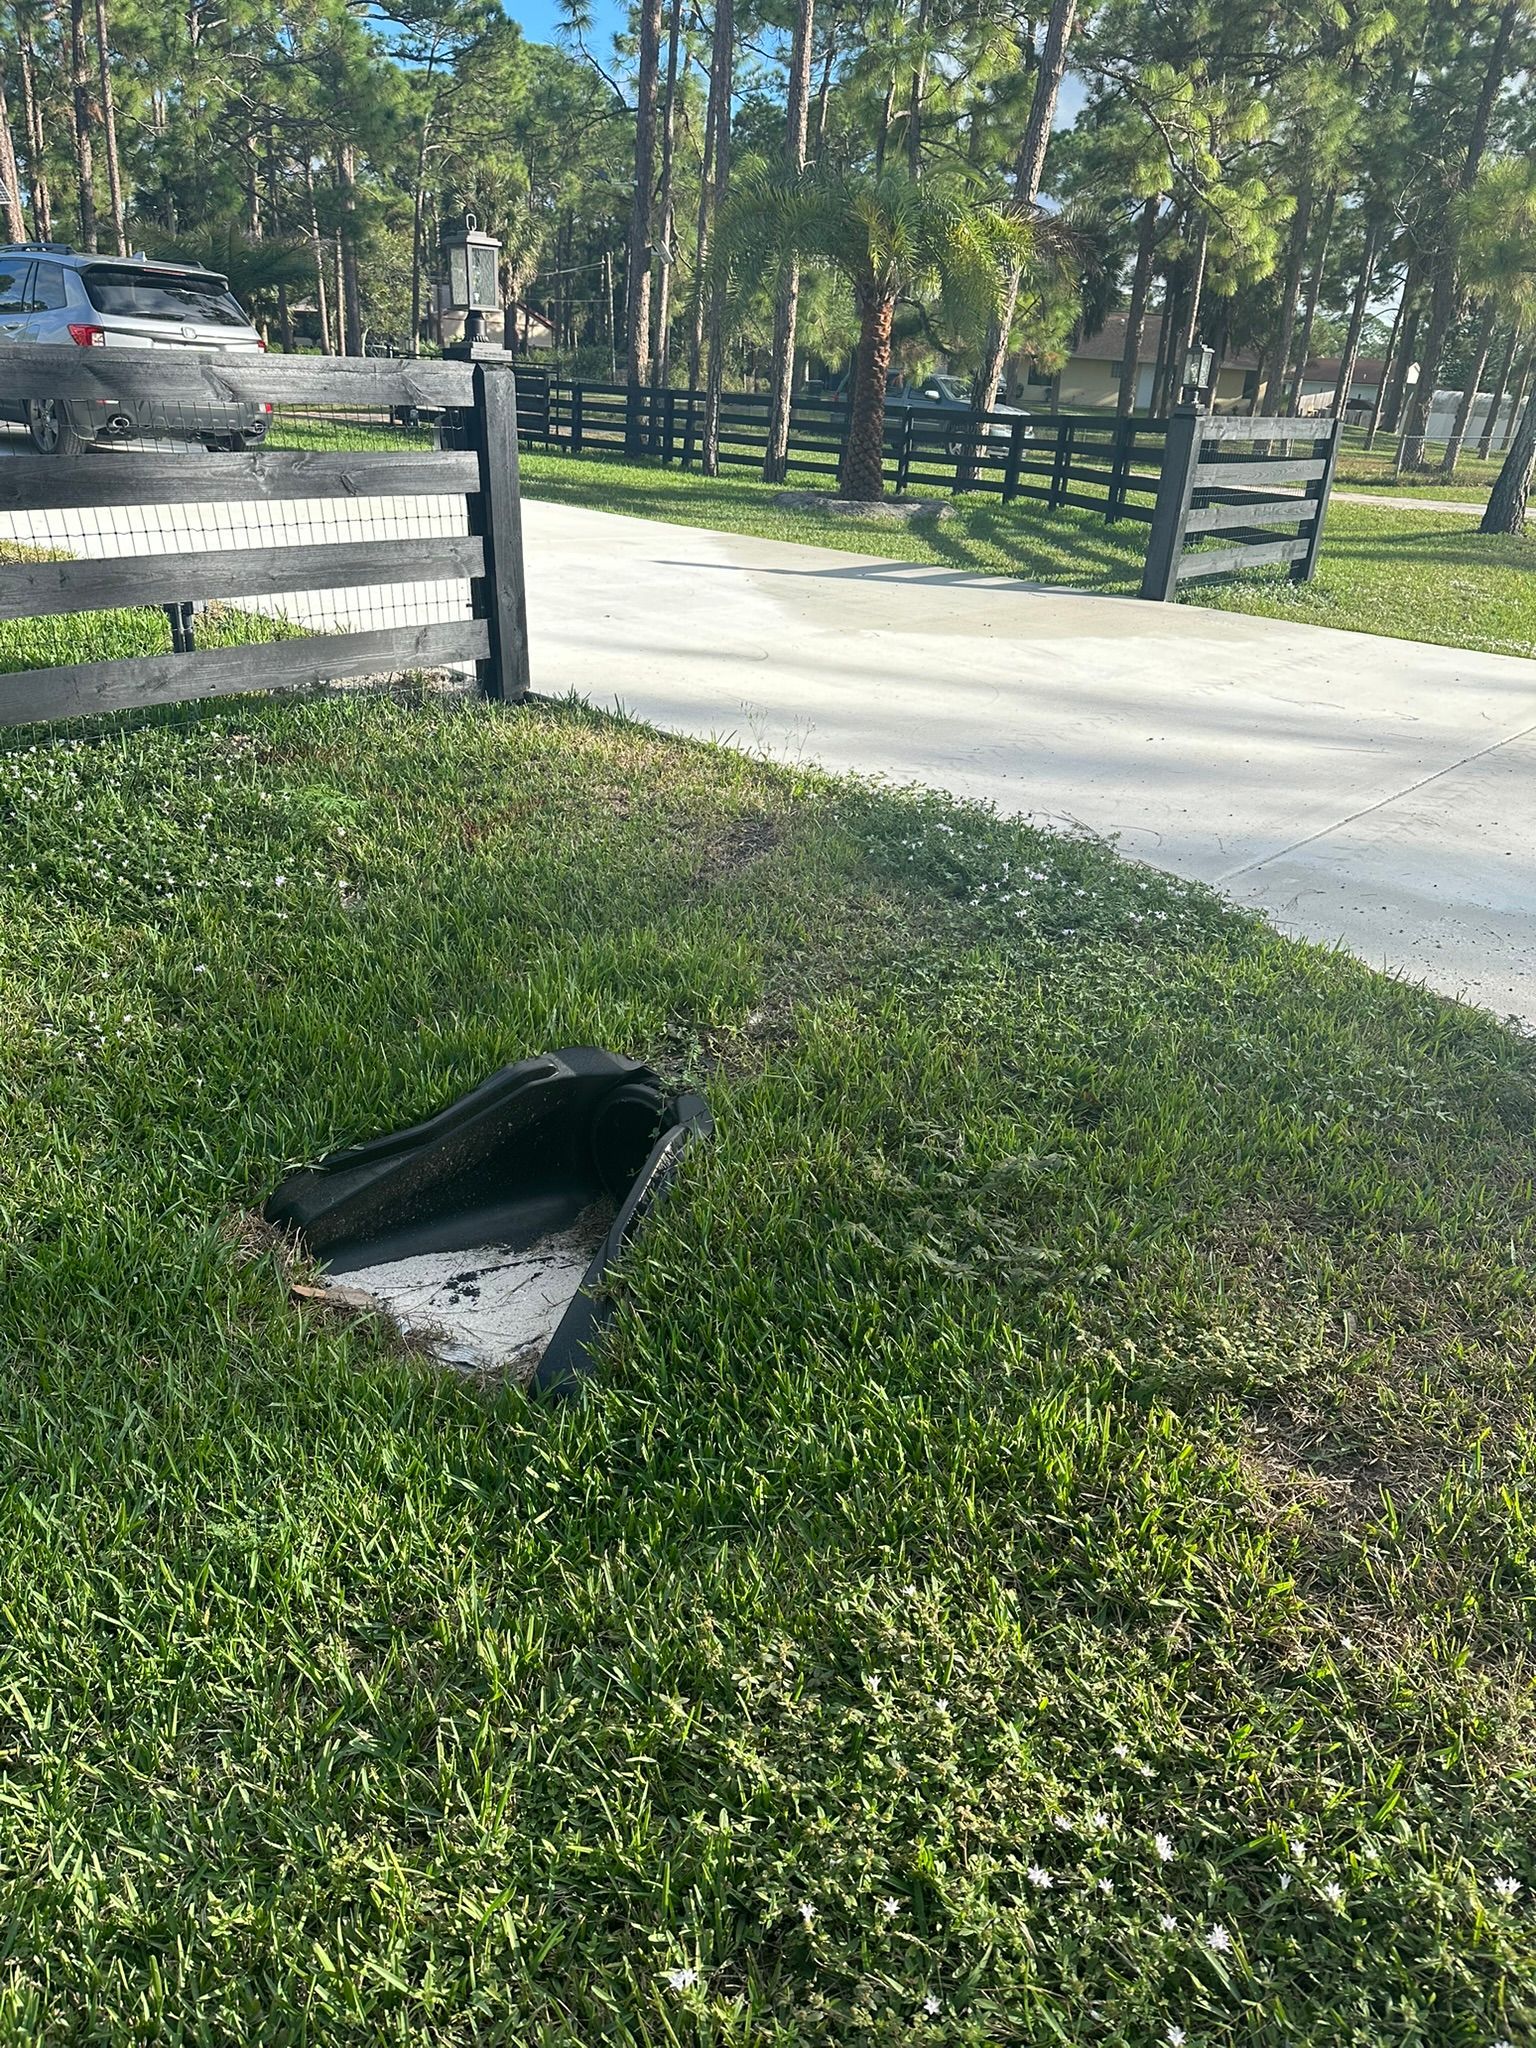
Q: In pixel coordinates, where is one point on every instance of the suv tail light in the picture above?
(84, 336)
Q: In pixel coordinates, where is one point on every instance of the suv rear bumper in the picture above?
(105, 419)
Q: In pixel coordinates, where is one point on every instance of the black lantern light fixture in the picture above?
(474, 276)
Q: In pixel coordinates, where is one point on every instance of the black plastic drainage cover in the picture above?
(517, 1159)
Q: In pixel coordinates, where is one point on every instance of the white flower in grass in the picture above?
(807, 1912)
(1106, 1886)
(1218, 1941)
(872, 1682)
(1501, 2043)
(1165, 1849)
(682, 1980)
(1299, 1851)
(1061, 1822)
(890, 1908)
(1175, 2037)
(1167, 1923)
(1507, 1887)
(931, 2005)
(1120, 1751)
(1334, 1894)
(1100, 1821)
(1042, 1880)
(909, 1590)
(941, 1704)
(1285, 1880)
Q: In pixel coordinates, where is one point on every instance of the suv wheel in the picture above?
(50, 429)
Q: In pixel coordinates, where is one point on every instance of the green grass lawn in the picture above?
(1045, 1558)
(1412, 574)
(1374, 469)
(144, 629)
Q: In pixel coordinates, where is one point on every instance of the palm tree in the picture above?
(258, 267)
(890, 239)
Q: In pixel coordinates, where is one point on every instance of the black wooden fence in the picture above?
(1097, 462)
(178, 401)
(1221, 479)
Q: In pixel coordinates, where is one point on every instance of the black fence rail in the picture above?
(1224, 493)
(229, 492)
(1095, 462)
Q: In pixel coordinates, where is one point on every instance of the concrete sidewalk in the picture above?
(1377, 794)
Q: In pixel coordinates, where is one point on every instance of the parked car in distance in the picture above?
(940, 395)
(53, 295)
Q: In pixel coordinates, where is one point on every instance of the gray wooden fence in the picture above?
(161, 392)
(1222, 477)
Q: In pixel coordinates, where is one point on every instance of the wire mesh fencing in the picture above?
(341, 513)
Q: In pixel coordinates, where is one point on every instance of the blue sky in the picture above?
(540, 19)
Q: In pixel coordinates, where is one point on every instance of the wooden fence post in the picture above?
(1119, 468)
(904, 455)
(575, 419)
(1304, 570)
(1175, 491)
(1061, 471)
(1015, 457)
(499, 520)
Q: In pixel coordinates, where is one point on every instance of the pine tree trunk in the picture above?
(109, 130)
(883, 132)
(661, 348)
(1444, 303)
(1396, 390)
(351, 293)
(637, 325)
(701, 235)
(1314, 293)
(1136, 311)
(1500, 391)
(321, 295)
(1512, 487)
(1351, 354)
(786, 313)
(1527, 371)
(1280, 345)
(1469, 397)
(419, 228)
(32, 120)
(80, 114)
(915, 95)
(1028, 170)
(864, 470)
(1189, 323)
(10, 177)
(722, 72)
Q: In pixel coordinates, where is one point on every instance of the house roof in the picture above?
(1108, 346)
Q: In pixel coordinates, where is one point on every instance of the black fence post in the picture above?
(668, 423)
(1015, 457)
(1175, 491)
(688, 430)
(1061, 469)
(904, 454)
(575, 419)
(1304, 570)
(1119, 468)
(497, 515)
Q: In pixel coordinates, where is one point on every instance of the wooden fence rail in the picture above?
(169, 390)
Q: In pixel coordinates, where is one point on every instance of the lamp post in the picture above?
(473, 286)
(1198, 366)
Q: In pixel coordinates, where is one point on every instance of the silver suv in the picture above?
(52, 294)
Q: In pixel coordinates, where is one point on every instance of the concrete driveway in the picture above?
(1370, 793)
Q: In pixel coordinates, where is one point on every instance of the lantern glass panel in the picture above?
(483, 279)
(458, 275)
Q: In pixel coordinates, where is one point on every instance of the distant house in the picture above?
(1090, 378)
(518, 327)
